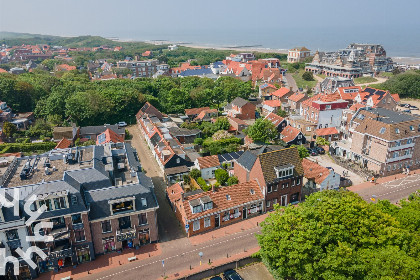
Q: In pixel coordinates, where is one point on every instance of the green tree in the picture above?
(321, 141)
(186, 178)
(303, 152)
(308, 76)
(262, 131)
(221, 176)
(222, 123)
(195, 173)
(9, 129)
(232, 181)
(282, 113)
(337, 235)
(198, 141)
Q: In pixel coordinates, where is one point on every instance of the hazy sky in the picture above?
(116, 17)
(272, 23)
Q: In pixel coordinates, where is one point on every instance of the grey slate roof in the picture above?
(98, 199)
(247, 160)
(239, 101)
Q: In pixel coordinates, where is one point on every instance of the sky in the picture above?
(218, 20)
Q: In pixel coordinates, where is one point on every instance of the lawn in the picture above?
(364, 80)
(301, 83)
(321, 76)
(386, 74)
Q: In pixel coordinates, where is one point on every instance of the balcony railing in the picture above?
(60, 253)
(126, 234)
(400, 147)
(394, 159)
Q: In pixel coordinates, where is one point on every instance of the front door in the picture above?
(244, 213)
(283, 200)
(216, 220)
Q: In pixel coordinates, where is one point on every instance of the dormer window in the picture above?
(228, 197)
(411, 128)
(143, 202)
(382, 130)
(195, 206)
(122, 206)
(284, 171)
(206, 203)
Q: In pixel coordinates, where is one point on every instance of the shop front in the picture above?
(108, 244)
(83, 253)
(126, 238)
(144, 236)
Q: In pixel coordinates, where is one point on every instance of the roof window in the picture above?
(382, 130)
(397, 130)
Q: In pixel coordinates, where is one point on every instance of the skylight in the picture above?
(382, 131)
(397, 130)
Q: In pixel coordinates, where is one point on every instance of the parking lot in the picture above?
(255, 271)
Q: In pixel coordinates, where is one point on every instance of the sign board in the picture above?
(187, 226)
(163, 263)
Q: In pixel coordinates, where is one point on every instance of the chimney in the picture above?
(213, 188)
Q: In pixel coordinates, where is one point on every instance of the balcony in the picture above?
(126, 234)
(401, 147)
(60, 233)
(390, 160)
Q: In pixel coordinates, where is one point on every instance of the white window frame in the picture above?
(207, 222)
(196, 225)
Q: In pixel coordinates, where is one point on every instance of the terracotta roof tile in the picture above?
(63, 144)
(297, 97)
(314, 171)
(281, 92)
(195, 111)
(209, 161)
(275, 119)
(326, 131)
(225, 198)
(273, 103)
(289, 133)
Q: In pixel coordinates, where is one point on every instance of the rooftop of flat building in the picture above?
(391, 117)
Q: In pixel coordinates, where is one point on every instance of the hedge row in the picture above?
(26, 147)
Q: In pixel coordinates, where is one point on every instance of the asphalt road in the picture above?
(393, 191)
(291, 82)
(179, 258)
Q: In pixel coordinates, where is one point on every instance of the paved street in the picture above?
(291, 82)
(393, 190)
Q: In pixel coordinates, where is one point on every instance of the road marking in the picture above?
(171, 257)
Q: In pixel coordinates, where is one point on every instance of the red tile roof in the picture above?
(195, 111)
(281, 92)
(296, 97)
(238, 121)
(348, 95)
(225, 198)
(209, 161)
(289, 133)
(356, 106)
(396, 97)
(2, 70)
(63, 144)
(313, 170)
(267, 85)
(110, 137)
(275, 119)
(202, 115)
(146, 53)
(273, 103)
(326, 131)
(65, 67)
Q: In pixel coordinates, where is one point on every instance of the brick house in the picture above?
(271, 106)
(265, 90)
(192, 113)
(383, 141)
(207, 165)
(295, 101)
(328, 133)
(279, 173)
(282, 94)
(206, 211)
(377, 98)
(292, 136)
(279, 122)
(241, 109)
(306, 127)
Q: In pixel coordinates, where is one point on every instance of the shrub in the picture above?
(23, 140)
(195, 173)
(187, 179)
(203, 184)
(308, 76)
(232, 181)
(221, 176)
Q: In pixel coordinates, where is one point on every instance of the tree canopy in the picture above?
(337, 235)
(405, 84)
(262, 131)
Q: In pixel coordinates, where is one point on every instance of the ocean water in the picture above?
(398, 42)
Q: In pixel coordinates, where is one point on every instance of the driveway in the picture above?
(291, 83)
(326, 161)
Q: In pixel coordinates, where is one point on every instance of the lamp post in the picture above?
(201, 256)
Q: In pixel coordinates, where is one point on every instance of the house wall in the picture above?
(247, 112)
(292, 188)
(208, 173)
(332, 118)
(331, 182)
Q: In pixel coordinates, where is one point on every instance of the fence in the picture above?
(220, 269)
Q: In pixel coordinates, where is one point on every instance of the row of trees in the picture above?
(74, 97)
(337, 235)
(405, 84)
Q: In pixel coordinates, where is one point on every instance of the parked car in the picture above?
(122, 124)
(407, 105)
(216, 278)
(402, 104)
(312, 152)
(412, 107)
(320, 150)
(407, 111)
(232, 275)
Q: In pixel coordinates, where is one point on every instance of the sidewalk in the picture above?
(228, 230)
(381, 181)
(105, 262)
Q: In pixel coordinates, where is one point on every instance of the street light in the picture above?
(201, 256)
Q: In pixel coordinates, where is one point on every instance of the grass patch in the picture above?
(321, 76)
(300, 82)
(386, 74)
(364, 80)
